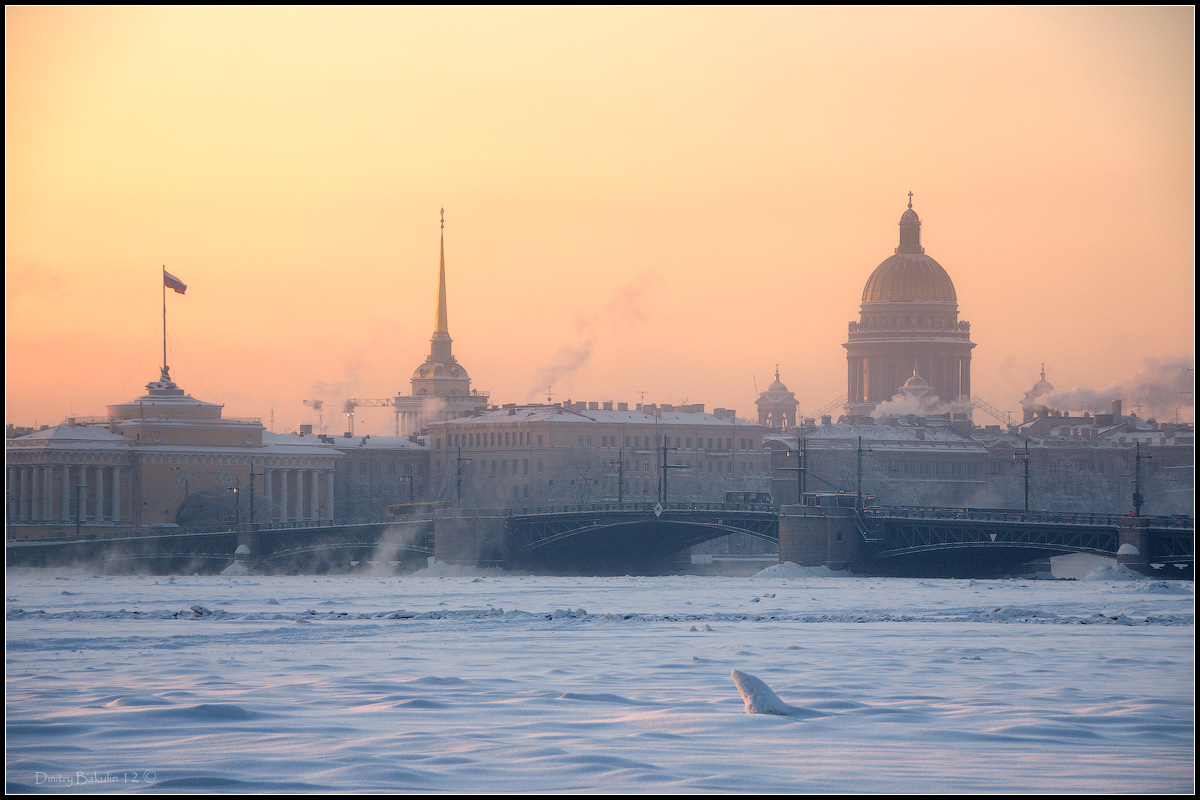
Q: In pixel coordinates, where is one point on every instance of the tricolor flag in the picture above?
(171, 282)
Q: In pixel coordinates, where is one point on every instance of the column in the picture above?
(329, 494)
(84, 479)
(283, 495)
(315, 505)
(26, 490)
(300, 494)
(267, 476)
(64, 513)
(115, 474)
(47, 493)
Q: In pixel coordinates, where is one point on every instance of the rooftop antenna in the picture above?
(1184, 394)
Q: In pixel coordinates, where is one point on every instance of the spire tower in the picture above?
(441, 387)
(441, 325)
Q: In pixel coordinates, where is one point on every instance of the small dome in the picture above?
(1043, 386)
(914, 381)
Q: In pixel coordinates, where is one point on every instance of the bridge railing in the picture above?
(640, 507)
(1006, 515)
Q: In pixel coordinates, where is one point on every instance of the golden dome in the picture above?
(909, 275)
(440, 369)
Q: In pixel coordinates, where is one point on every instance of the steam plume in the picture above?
(624, 307)
(1159, 387)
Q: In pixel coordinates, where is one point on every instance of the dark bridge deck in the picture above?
(897, 540)
(611, 538)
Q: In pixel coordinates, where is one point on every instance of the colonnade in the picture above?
(409, 422)
(297, 494)
(33, 496)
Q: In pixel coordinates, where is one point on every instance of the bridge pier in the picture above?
(1133, 544)
(817, 537)
(247, 556)
(473, 537)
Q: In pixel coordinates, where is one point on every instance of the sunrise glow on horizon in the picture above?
(661, 203)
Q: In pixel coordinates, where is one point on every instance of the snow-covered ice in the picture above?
(464, 681)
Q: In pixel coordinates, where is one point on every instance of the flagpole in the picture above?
(164, 291)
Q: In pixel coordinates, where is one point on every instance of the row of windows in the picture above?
(935, 470)
(520, 466)
(365, 468)
(496, 439)
(489, 439)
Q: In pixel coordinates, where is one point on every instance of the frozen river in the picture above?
(483, 683)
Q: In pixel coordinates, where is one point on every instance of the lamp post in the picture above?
(665, 467)
(800, 469)
(620, 465)
(1025, 457)
(254, 475)
(858, 482)
(1138, 458)
(458, 485)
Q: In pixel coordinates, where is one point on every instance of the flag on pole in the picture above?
(171, 282)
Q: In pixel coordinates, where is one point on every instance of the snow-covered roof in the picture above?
(898, 437)
(68, 435)
(296, 445)
(373, 442)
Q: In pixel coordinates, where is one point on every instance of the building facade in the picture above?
(908, 321)
(1084, 463)
(163, 459)
(375, 472)
(546, 455)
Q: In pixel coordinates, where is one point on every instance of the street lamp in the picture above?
(1025, 458)
(620, 465)
(665, 467)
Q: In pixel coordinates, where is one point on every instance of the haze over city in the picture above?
(658, 201)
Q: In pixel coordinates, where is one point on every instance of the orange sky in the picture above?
(668, 201)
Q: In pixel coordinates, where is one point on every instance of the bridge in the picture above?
(630, 536)
(280, 547)
(641, 538)
(947, 542)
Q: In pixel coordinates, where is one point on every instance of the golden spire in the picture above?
(441, 324)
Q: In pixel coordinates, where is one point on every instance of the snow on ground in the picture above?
(487, 682)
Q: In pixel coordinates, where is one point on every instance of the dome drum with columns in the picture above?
(908, 316)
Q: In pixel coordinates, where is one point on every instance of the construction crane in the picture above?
(350, 405)
(317, 405)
